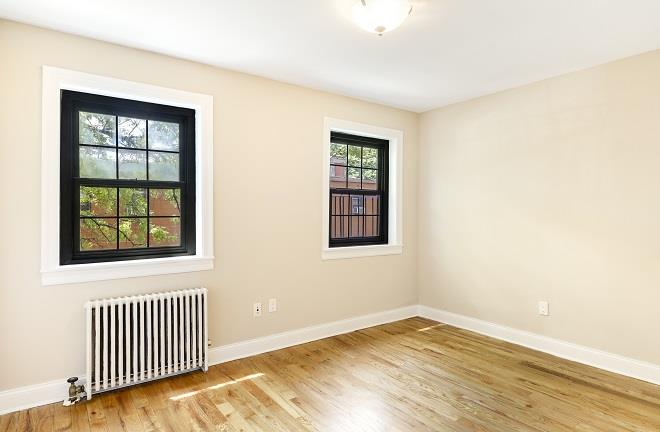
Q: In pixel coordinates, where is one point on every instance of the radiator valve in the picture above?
(76, 392)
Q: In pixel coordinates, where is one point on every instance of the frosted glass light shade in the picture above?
(380, 16)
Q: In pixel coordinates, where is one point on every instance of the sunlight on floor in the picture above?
(431, 327)
(216, 386)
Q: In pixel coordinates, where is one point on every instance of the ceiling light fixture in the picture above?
(380, 16)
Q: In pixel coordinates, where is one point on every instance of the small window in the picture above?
(358, 205)
(127, 179)
(358, 190)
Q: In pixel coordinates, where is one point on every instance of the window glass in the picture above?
(357, 190)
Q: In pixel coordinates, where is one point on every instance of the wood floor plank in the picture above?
(80, 418)
(21, 422)
(151, 421)
(411, 375)
(62, 419)
(6, 422)
(41, 418)
(97, 415)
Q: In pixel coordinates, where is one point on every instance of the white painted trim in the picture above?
(277, 341)
(55, 80)
(125, 269)
(395, 210)
(34, 395)
(361, 251)
(601, 359)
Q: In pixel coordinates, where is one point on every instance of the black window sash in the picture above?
(382, 147)
(74, 102)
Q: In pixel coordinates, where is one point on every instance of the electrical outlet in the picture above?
(544, 308)
(272, 305)
(256, 309)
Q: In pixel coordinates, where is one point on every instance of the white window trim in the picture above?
(395, 203)
(52, 273)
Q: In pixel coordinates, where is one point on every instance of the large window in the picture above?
(358, 190)
(127, 185)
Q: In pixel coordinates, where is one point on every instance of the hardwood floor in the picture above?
(412, 375)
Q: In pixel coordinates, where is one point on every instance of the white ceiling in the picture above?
(446, 51)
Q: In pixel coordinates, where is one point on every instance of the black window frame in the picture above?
(382, 147)
(72, 103)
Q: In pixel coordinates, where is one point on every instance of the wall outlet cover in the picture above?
(544, 308)
(256, 309)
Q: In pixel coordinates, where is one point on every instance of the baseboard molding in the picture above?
(55, 391)
(277, 341)
(601, 359)
(31, 396)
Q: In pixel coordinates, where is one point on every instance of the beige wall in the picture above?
(260, 125)
(549, 192)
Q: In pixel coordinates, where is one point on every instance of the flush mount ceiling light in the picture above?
(380, 16)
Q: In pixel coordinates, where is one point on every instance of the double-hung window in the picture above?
(127, 179)
(358, 190)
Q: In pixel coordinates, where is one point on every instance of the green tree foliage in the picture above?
(163, 136)
(355, 156)
(106, 210)
(100, 230)
(369, 158)
(132, 132)
(97, 129)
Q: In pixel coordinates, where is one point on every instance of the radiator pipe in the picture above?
(76, 392)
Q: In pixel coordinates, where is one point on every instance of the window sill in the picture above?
(360, 251)
(77, 273)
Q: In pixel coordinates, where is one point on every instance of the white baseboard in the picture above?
(31, 396)
(55, 391)
(601, 359)
(277, 341)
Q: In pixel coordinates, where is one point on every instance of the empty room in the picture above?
(330, 215)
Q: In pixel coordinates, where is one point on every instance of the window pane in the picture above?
(337, 176)
(357, 204)
(354, 155)
(371, 205)
(369, 157)
(98, 162)
(339, 227)
(340, 204)
(164, 231)
(369, 179)
(98, 233)
(371, 226)
(354, 178)
(132, 164)
(132, 233)
(165, 202)
(163, 135)
(338, 154)
(357, 226)
(98, 201)
(163, 166)
(132, 202)
(97, 129)
(132, 132)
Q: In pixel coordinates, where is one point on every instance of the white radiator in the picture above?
(140, 338)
